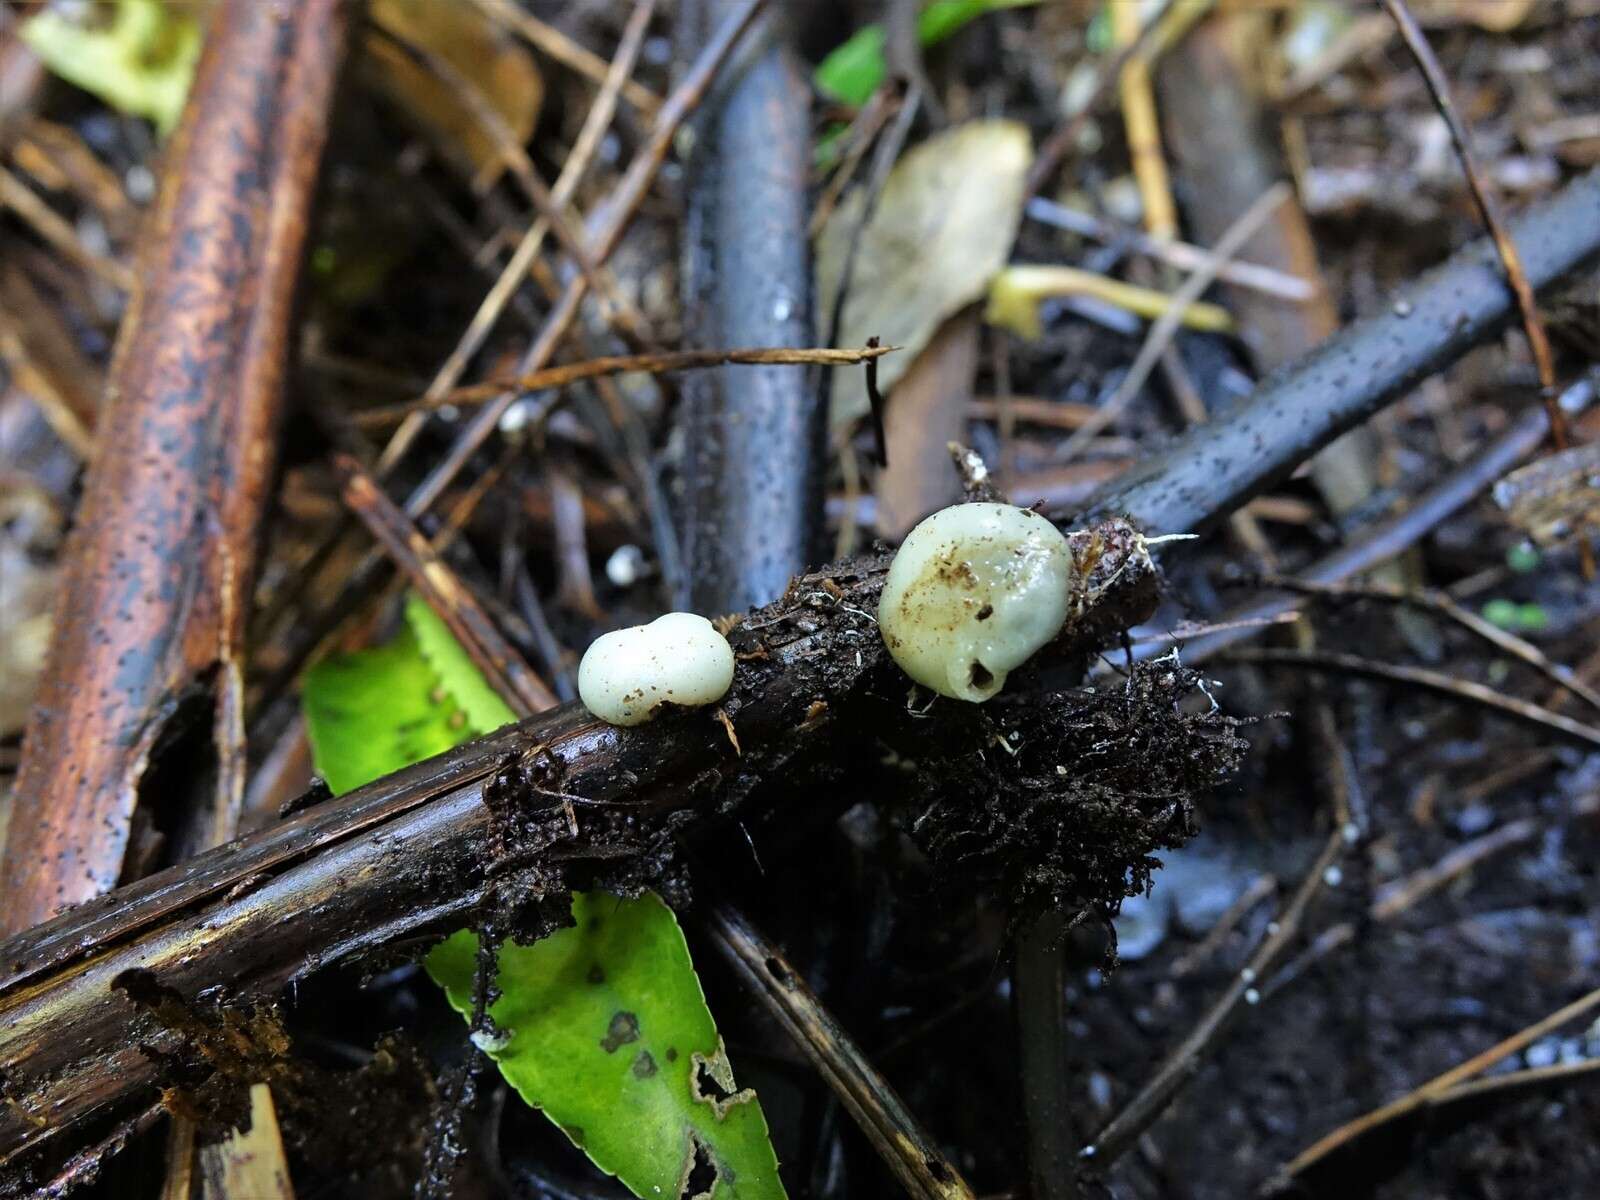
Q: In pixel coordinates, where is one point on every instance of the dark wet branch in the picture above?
(1210, 471)
(416, 853)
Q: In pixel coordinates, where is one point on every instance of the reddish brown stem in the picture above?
(161, 561)
(500, 662)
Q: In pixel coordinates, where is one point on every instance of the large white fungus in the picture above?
(679, 658)
(974, 591)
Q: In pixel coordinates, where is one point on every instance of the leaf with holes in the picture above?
(605, 1028)
(604, 1025)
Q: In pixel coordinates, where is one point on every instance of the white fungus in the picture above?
(975, 590)
(679, 658)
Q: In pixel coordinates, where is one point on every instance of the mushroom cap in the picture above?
(974, 591)
(679, 658)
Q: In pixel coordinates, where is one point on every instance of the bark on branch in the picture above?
(161, 561)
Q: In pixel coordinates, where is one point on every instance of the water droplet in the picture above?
(1251, 996)
(1333, 877)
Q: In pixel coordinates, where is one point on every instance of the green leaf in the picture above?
(1501, 613)
(369, 714)
(606, 1029)
(853, 71)
(456, 673)
(621, 978)
(136, 55)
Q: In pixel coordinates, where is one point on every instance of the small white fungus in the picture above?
(679, 658)
(974, 592)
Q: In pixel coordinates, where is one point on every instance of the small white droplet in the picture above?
(625, 565)
(1333, 877)
(1088, 1152)
(1273, 927)
(1248, 974)
(1251, 996)
(1402, 308)
(1352, 833)
(491, 1041)
(1060, 770)
(515, 419)
(782, 309)
(140, 183)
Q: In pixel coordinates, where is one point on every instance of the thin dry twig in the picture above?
(1064, 136)
(1185, 1060)
(1489, 209)
(1396, 897)
(1258, 890)
(1143, 126)
(617, 212)
(863, 131)
(594, 368)
(53, 228)
(595, 123)
(491, 653)
(1437, 1087)
(894, 1131)
(1432, 600)
(1184, 255)
(551, 41)
(1166, 326)
(1449, 685)
(630, 322)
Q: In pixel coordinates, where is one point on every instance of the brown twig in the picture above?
(1242, 993)
(1396, 897)
(621, 364)
(1461, 689)
(1437, 1087)
(894, 1131)
(629, 320)
(863, 132)
(616, 213)
(595, 123)
(1440, 603)
(569, 53)
(53, 228)
(1060, 141)
(1489, 209)
(1166, 326)
(499, 661)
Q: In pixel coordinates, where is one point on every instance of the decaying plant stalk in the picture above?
(161, 560)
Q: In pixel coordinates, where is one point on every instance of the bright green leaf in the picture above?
(663, 1093)
(369, 714)
(1523, 558)
(610, 1035)
(136, 55)
(1501, 613)
(456, 673)
(853, 71)
(1532, 618)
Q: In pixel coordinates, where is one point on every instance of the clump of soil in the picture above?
(1062, 801)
